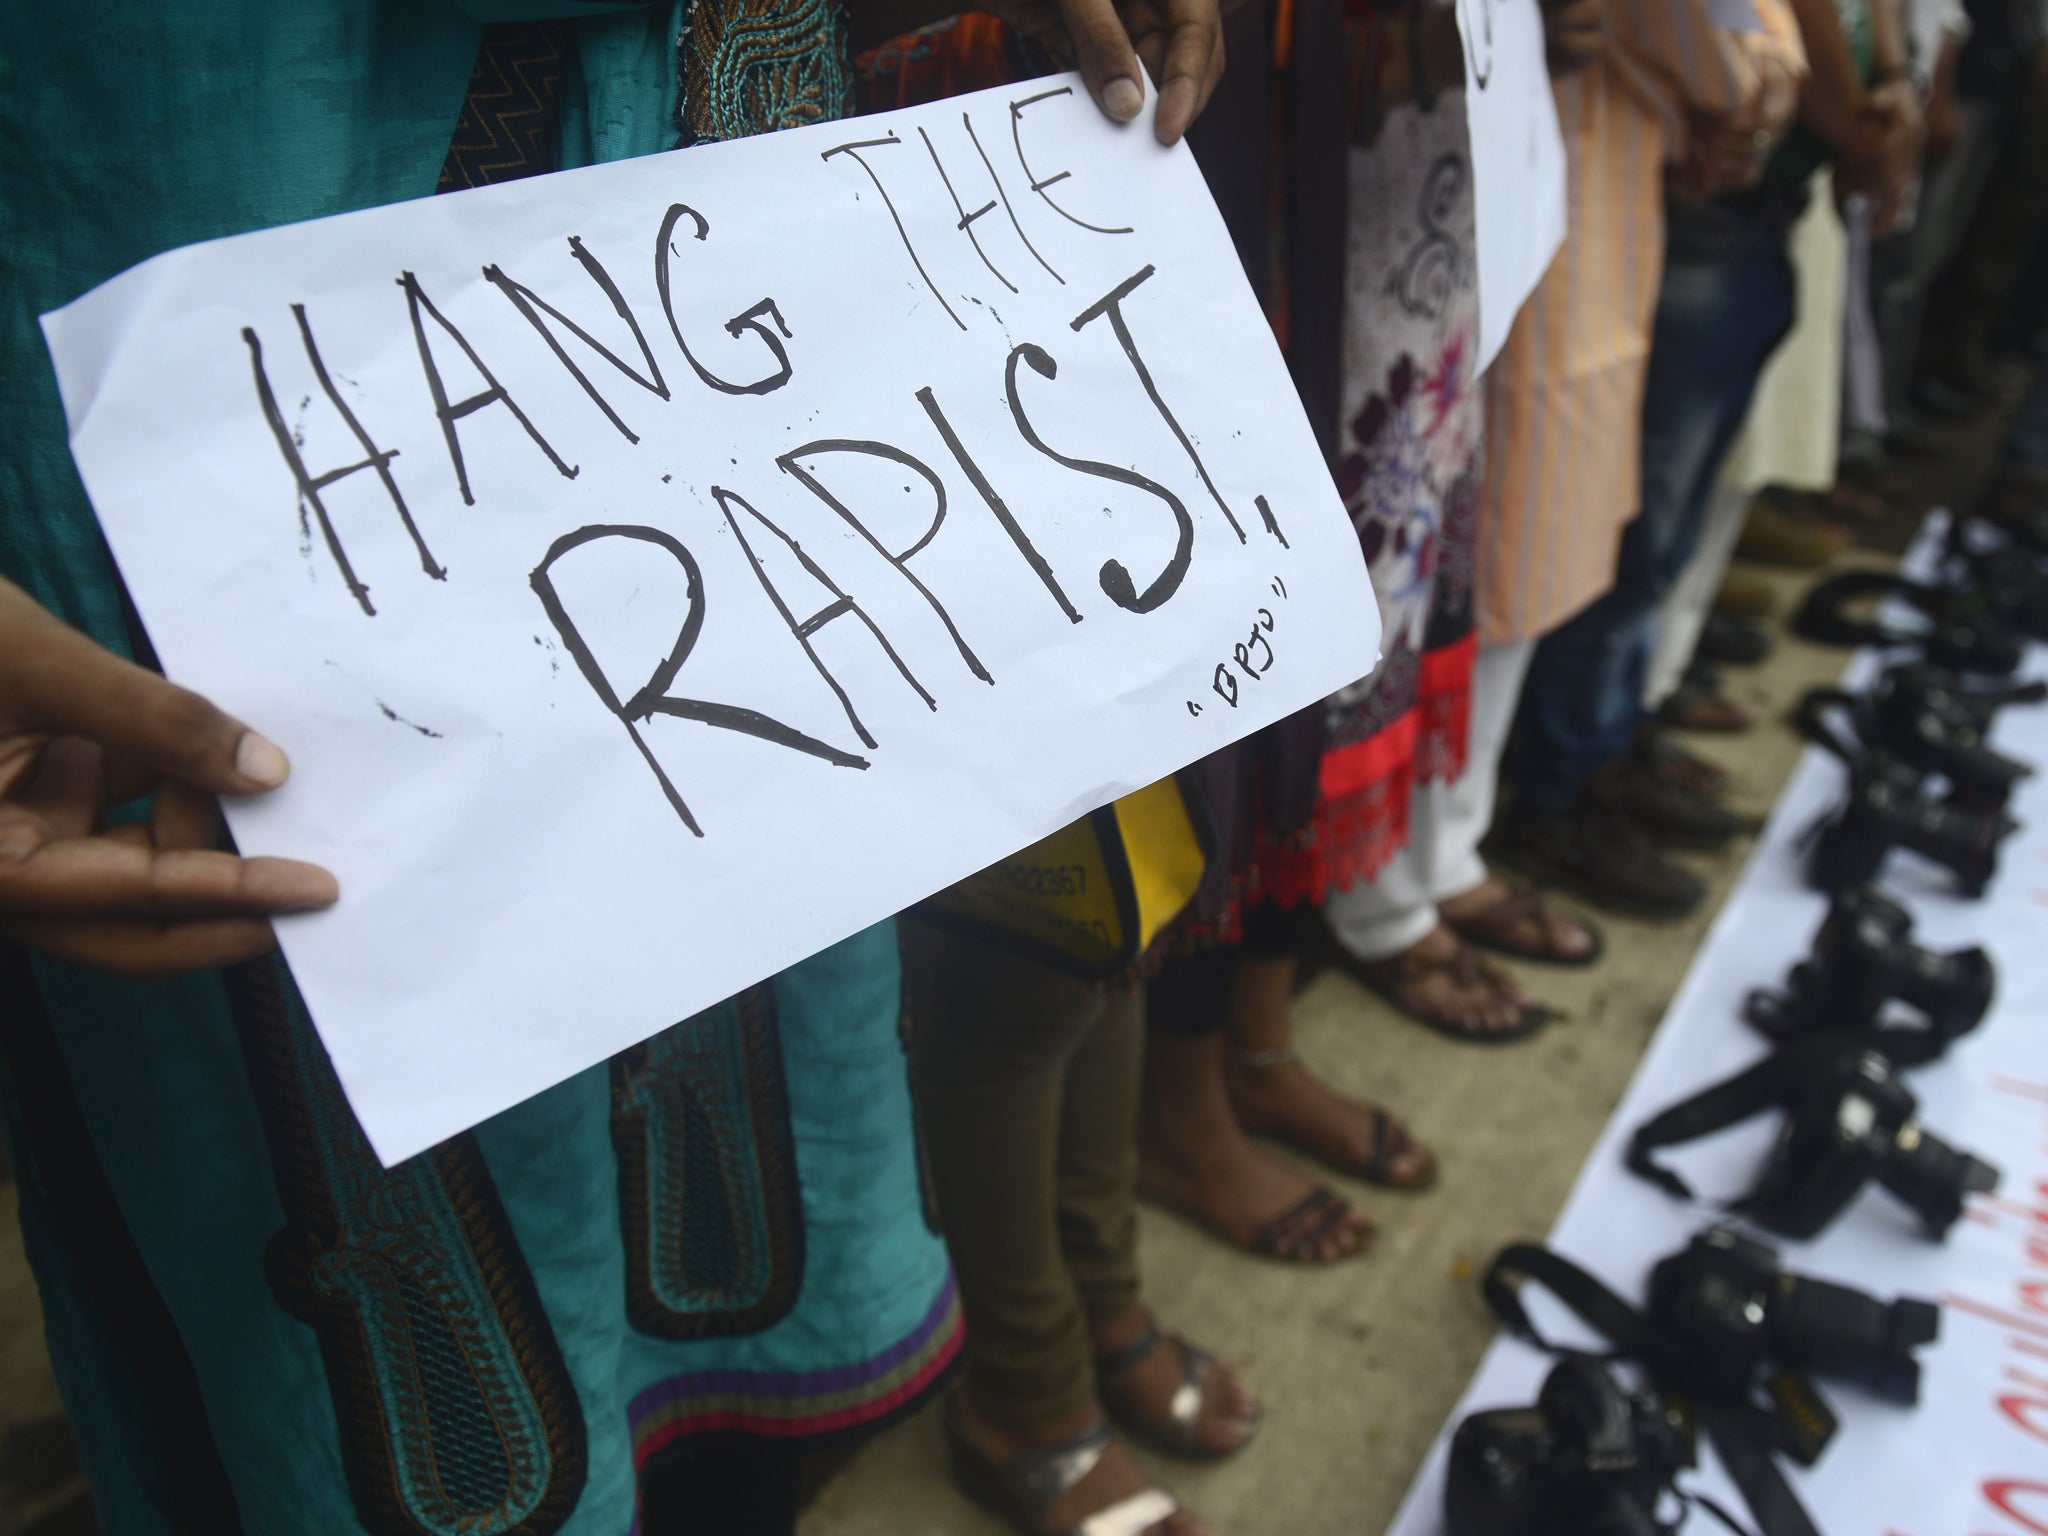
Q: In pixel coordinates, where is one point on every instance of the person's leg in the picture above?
(994, 1038)
(993, 1035)
(1194, 1155)
(1272, 1090)
(1451, 818)
(1683, 614)
(1098, 1228)
(1717, 322)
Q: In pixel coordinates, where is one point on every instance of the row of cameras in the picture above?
(1597, 1455)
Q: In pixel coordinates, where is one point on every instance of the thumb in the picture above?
(1103, 54)
(57, 681)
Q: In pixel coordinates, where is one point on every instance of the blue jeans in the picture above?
(2026, 445)
(1725, 305)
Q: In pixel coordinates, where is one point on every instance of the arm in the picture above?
(1833, 102)
(82, 730)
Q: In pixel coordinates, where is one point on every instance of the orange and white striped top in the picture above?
(1564, 398)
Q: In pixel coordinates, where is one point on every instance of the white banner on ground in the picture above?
(1972, 1459)
(1518, 170)
(660, 571)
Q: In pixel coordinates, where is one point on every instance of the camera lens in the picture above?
(1933, 1177)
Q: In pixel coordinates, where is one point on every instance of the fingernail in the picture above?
(261, 761)
(1122, 99)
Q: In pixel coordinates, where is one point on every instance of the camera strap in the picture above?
(1769, 1084)
(1744, 1435)
(1772, 1083)
(1823, 616)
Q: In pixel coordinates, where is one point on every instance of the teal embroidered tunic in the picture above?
(255, 1327)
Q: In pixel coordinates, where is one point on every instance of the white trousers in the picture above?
(1691, 599)
(1395, 910)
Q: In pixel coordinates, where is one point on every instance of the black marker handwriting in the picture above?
(653, 698)
(421, 308)
(311, 485)
(664, 250)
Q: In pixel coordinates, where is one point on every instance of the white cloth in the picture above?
(1688, 603)
(1794, 427)
(1396, 909)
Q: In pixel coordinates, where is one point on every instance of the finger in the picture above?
(63, 683)
(1194, 60)
(65, 793)
(144, 949)
(183, 817)
(122, 876)
(1103, 54)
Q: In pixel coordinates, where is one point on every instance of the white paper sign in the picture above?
(1972, 1458)
(1518, 169)
(660, 571)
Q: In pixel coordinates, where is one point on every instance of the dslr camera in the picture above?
(1863, 958)
(1887, 809)
(1591, 1458)
(1925, 719)
(1852, 1122)
(1725, 1312)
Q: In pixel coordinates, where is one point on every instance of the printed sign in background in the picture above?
(1972, 1459)
(1518, 167)
(660, 571)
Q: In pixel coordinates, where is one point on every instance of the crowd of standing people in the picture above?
(909, 1166)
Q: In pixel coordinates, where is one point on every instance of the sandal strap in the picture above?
(1390, 1139)
(1041, 1477)
(1185, 1409)
(1135, 1353)
(1036, 1480)
(1130, 1517)
(1304, 1221)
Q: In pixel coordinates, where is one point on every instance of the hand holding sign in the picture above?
(80, 730)
(1180, 42)
(773, 533)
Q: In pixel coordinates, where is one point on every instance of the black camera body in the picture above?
(1886, 809)
(2013, 588)
(1863, 959)
(1852, 1122)
(1591, 1458)
(1924, 718)
(1724, 1313)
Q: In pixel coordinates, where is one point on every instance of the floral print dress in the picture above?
(1411, 459)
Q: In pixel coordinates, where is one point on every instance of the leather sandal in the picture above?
(1389, 977)
(1295, 1236)
(1390, 1140)
(1022, 1490)
(1493, 926)
(1175, 1434)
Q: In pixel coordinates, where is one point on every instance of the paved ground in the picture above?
(1358, 1364)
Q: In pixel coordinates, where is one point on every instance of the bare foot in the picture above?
(1113, 1479)
(1149, 1385)
(1283, 1099)
(1254, 1200)
(1443, 982)
(1520, 920)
